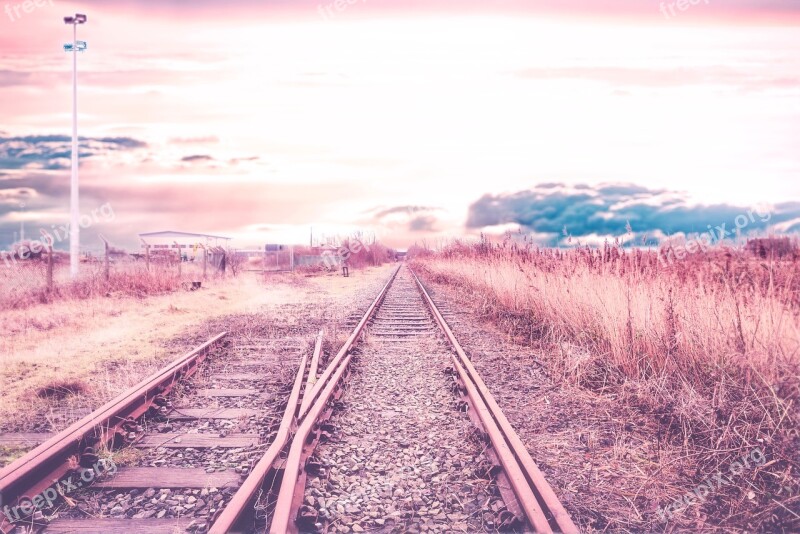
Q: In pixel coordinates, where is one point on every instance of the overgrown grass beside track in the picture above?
(709, 346)
(26, 284)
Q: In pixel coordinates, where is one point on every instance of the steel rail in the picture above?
(239, 508)
(35, 471)
(312, 373)
(544, 511)
(333, 365)
(322, 392)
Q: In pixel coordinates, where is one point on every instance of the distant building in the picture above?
(187, 243)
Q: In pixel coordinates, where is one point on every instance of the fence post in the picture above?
(106, 268)
(146, 255)
(50, 268)
(205, 261)
(47, 240)
(180, 258)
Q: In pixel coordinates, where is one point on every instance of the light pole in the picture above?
(74, 227)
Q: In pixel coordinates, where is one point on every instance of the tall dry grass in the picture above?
(646, 320)
(710, 346)
(25, 285)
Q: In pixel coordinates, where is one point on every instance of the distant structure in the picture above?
(188, 245)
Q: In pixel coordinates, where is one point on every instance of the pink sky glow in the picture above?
(259, 120)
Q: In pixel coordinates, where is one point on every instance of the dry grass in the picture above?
(110, 343)
(25, 284)
(60, 389)
(708, 347)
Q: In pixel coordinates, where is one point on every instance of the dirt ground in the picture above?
(60, 360)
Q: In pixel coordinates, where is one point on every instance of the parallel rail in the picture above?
(238, 512)
(236, 517)
(31, 474)
(531, 503)
(543, 511)
(527, 494)
(317, 410)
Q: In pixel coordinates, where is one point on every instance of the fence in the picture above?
(45, 276)
(278, 258)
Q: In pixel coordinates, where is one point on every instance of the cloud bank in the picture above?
(53, 152)
(606, 210)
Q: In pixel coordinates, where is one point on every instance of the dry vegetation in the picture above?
(709, 347)
(60, 358)
(23, 283)
(353, 251)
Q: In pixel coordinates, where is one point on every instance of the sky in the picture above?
(415, 121)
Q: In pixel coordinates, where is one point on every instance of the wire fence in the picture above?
(46, 277)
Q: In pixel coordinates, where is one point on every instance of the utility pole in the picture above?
(74, 228)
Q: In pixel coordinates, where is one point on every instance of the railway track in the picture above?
(290, 476)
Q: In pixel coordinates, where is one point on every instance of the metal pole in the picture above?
(74, 227)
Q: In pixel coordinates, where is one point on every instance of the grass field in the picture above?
(79, 353)
(24, 284)
(709, 346)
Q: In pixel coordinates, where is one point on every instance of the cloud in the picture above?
(209, 139)
(236, 161)
(620, 7)
(405, 210)
(53, 152)
(403, 221)
(605, 210)
(662, 78)
(425, 223)
(9, 78)
(46, 184)
(197, 158)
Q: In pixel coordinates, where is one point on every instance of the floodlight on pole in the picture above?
(74, 227)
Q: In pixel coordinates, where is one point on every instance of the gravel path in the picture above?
(402, 458)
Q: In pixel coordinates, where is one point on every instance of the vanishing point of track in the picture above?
(271, 495)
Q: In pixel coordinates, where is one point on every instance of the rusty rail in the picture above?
(34, 472)
(527, 494)
(543, 511)
(312, 373)
(237, 512)
(359, 329)
(293, 482)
